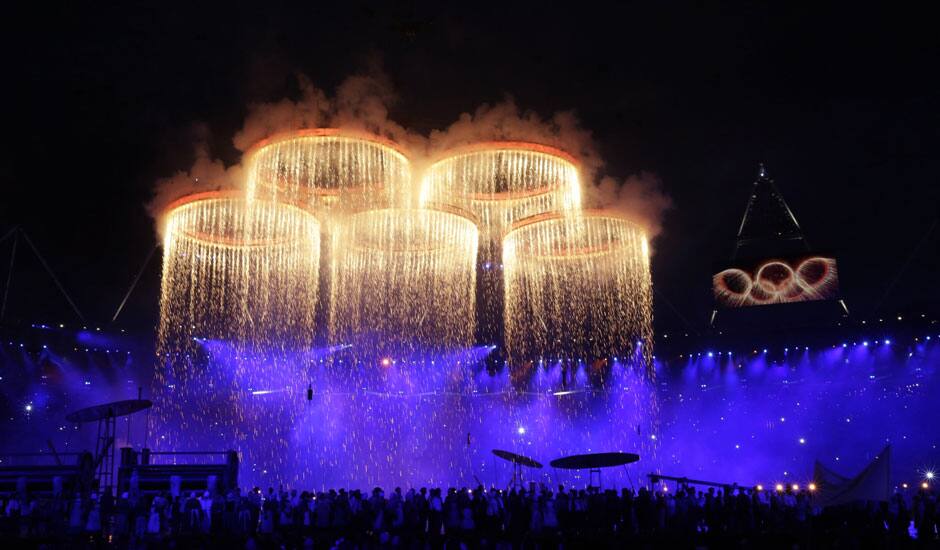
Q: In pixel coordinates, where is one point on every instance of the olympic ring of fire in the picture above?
(777, 281)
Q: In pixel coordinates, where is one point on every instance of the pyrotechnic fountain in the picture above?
(577, 286)
(325, 169)
(403, 280)
(237, 271)
(401, 394)
(501, 182)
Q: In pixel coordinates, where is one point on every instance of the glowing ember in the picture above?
(325, 169)
(404, 280)
(577, 286)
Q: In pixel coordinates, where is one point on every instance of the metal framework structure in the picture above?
(767, 219)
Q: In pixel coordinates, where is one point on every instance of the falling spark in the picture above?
(577, 286)
(500, 183)
(404, 279)
(245, 272)
(401, 380)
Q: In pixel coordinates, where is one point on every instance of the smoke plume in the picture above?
(361, 103)
(205, 174)
(504, 121)
(640, 198)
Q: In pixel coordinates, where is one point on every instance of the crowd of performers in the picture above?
(534, 517)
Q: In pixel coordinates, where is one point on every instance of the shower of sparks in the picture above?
(578, 292)
(501, 183)
(577, 286)
(403, 280)
(407, 389)
(325, 169)
(238, 271)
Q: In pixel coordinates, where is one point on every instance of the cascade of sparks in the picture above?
(403, 280)
(577, 286)
(237, 271)
(325, 169)
(501, 183)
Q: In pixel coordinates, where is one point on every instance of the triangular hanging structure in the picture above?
(767, 217)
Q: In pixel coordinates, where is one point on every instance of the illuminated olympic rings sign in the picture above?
(778, 282)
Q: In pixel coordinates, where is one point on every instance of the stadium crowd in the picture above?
(520, 518)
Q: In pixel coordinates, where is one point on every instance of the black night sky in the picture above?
(840, 103)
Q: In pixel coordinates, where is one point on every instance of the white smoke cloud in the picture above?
(205, 174)
(640, 198)
(504, 121)
(361, 103)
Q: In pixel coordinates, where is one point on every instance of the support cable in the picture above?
(9, 233)
(134, 283)
(52, 274)
(6, 288)
(685, 321)
(907, 262)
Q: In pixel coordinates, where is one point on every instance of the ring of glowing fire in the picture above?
(536, 149)
(284, 179)
(565, 245)
(224, 218)
(325, 132)
(776, 281)
(506, 145)
(406, 230)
